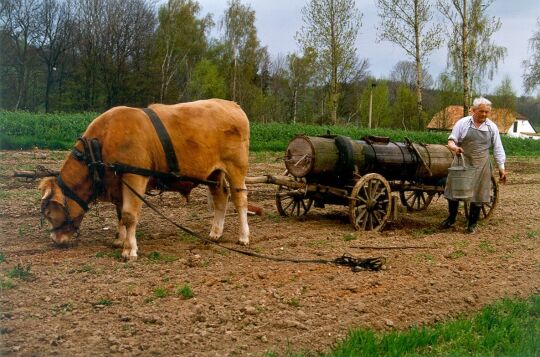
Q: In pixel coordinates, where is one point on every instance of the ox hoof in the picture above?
(118, 243)
(129, 256)
(243, 241)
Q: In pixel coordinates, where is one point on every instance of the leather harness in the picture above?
(93, 159)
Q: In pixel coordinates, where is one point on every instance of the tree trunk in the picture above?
(295, 104)
(465, 53)
(419, 107)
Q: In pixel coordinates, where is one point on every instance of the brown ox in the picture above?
(210, 139)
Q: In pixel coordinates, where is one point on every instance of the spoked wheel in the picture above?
(415, 200)
(292, 201)
(487, 208)
(370, 204)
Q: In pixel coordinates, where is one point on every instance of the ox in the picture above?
(210, 139)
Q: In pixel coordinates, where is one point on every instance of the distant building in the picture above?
(509, 122)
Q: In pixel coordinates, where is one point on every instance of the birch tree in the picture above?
(531, 75)
(243, 48)
(181, 42)
(408, 24)
(472, 53)
(330, 27)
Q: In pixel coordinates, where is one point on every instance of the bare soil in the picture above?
(85, 301)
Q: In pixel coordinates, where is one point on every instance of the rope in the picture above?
(346, 260)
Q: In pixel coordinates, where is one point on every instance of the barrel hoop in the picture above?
(402, 157)
(345, 162)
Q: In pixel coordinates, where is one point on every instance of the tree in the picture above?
(301, 71)
(407, 24)
(243, 50)
(20, 26)
(181, 43)
(505, 96)
(448, 93)
(55, 32)
(472, 54)
(531, 74)
(404, 109)
(380, 106)
(330, 28)
(405, 72)
(206, 81)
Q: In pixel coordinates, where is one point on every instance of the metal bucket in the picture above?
(460, 179)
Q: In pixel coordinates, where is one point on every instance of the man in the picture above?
(473, 136)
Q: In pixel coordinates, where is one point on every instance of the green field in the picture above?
(24, 130)
(505, 328)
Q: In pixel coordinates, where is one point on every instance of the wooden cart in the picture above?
(362, 175)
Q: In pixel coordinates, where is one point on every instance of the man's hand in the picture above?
(502, 176)
(456, 150)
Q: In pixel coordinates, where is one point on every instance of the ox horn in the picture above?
(46, 187)
(47, 193)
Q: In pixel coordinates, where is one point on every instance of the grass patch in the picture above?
(294, 302)
(424, 257)
(532, 234)
(2, 257)
(185, 291)
(456, 254)
(6, 283)
(349, 237)
(160, 292)
(21, 272)
(102, 303)
(158, 257)
(506, 328)
(486, 247)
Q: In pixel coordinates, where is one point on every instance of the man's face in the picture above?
(481, 113)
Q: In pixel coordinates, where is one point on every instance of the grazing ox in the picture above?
(210, 139)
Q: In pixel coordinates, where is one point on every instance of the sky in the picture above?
(278, 21)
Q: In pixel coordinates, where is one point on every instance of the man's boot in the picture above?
(453, 206)
(474, 214)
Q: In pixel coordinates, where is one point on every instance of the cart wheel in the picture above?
(370, 205)
(292, 202)
(487, 208)
(415, 200)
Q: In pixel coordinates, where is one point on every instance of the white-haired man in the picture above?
(473, 136)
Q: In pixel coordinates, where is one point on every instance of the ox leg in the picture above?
(239, 197)
(121, 230)
(131, 208)
(219, 196)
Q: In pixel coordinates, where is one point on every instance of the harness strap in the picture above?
(165, 139)
(69, 193)
(123, 168)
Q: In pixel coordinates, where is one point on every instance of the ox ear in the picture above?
(46, 187)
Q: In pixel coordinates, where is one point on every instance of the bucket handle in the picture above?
(459, 158)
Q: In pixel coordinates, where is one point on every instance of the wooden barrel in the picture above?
(341, 156)
(437, 157)
(311, 155)
(323, 155)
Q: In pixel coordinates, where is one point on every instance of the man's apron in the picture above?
(476, 145)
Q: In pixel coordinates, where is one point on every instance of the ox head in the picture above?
(63, 214)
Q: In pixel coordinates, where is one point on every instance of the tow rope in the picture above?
(356, 264)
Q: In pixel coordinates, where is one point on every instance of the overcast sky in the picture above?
(278, 21)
